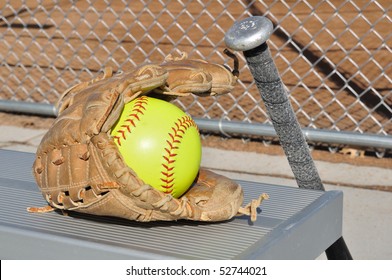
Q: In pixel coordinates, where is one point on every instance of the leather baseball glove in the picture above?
(78, 166)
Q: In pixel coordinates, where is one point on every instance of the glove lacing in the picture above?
(251, 208)
(162, 204)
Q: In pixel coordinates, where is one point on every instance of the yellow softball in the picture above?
(160, 142)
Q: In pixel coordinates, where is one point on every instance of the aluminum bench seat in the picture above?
(293, 224)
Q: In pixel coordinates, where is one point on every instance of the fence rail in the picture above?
(334, 56)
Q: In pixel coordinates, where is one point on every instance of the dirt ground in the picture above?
(234, 144)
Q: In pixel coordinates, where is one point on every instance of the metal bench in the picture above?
(293, 224)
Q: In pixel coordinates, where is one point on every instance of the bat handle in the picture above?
(250, 36)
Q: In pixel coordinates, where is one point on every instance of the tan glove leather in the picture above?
(78, 167)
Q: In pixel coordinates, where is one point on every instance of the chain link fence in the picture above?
(334, 56)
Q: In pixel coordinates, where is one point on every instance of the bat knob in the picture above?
(249, 33)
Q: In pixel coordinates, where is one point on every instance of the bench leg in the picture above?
(338, 251)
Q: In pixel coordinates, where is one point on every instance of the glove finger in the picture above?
(217, 197)
(198, 77)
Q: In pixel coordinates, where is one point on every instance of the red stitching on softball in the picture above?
(178, 130)
(130, 122)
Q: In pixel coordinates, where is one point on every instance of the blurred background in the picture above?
(334, 58)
